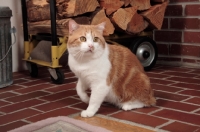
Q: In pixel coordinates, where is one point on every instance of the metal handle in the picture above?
(24, 19)
(53, 22)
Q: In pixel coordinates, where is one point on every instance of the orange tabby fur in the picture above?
(128, 77)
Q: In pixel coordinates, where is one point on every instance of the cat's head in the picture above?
(86, 41)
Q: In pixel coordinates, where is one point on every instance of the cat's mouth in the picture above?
(90, 51)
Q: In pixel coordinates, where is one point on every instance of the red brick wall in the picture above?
(179, 40)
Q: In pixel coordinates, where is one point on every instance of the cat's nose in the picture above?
(91, 47)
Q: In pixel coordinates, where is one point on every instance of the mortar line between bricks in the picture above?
(31, 80)
(39, 104)
(60, 85)
(173, 93)
(9, 123)
(152, 112)
(6, 101)
(74, 104)
(197, 77)
(178, 92)
(74, 108)
(187, 72)
(43, 112)
(184, 78)
(26, 121)
(190, 97)
(61, 91)
(176, 121)
(186, 123)
(24, 84)
(15, 121)
(165, 124)
(110, 116)
(43, 100)
(177, 110)
(20, 85)
(76, 98)
(179, 101)
(25, 78)
(182, 101)
(18, 110)
(197, 130)
(152, 115)
(37, 110)
(196, 111)
(20, 89)
(130, 123)
(44, 90)
(11, 97)
(183, 87)
(115, 113)
(60, 99)
(3, 113)
(171, 84)
(25, 101)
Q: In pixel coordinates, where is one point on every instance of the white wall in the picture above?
(16, 20)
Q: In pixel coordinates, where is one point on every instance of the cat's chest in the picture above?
(92, 69)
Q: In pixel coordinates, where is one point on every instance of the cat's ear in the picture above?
(72, 26)
(101, 26)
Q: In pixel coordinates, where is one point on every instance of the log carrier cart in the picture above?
(140, 44)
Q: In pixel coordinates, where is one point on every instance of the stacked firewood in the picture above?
(129, 16)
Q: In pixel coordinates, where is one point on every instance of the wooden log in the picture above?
(122, 17)
(61, 26)
(40, 3)
(111, 5)
(137, 24)
(38, 10)
(126, 2)
(155, 15)
(141, 4)
(71, 8)
(38, 13)
(100, 17)
(45, 27)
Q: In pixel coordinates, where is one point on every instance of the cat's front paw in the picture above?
(86, 113)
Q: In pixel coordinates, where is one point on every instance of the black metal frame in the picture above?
(53, 22)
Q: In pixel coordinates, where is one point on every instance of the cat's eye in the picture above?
(95, 39)
(83, 39)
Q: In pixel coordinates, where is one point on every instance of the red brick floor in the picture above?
(177, 90)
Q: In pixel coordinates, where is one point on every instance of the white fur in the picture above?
(132, 105)
(92, 71)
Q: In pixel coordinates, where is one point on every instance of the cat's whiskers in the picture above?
(79, 55)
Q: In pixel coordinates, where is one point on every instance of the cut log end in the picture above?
(111, 5)
(155, 15)
(141, 4)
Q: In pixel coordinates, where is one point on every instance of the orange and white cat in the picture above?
(113, 73)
